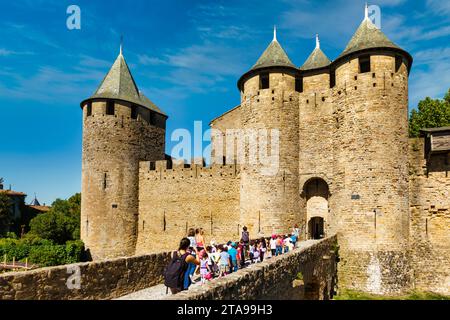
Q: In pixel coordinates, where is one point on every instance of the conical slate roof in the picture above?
(119, 84)
(273, 56)
(368, 36)
(35, 202)
(317, 59)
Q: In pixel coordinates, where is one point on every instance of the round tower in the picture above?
(371, 164)
(120, 128)
(269, 173)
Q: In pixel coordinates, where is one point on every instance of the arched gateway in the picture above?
(317, 193)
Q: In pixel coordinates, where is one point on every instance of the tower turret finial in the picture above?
(121, 45)
(274, 33)
(366, 12)
(317, 41)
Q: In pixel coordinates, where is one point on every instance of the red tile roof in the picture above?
(41, 208)
(13, 193)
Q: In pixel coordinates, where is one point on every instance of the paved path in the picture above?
(158, 292)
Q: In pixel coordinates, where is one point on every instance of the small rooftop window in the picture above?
(299, 84)
(264, 82)
(364, 64)
(110, 107)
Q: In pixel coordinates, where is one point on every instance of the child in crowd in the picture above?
(224, 261)
(191, 237)
(262, 249)
(239, 254)
(204, 267)
(286, 243)
(254, 252)
(294, 239)
(233, 257)
(251, 250)
(273, 245)
(279, 245)
(211, 262)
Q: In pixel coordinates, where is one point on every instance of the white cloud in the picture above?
(5, 52)
(50, 84)
(440, 7)
(150, 61)
(430, 74)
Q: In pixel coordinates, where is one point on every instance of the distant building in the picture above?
(21, 214)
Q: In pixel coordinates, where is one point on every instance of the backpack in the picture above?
(174, 272)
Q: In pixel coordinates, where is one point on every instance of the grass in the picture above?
(357, 295)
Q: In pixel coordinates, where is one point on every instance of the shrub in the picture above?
(13, 249)
(61, 223)
(41, 251)
(46, 255)
(74, 251)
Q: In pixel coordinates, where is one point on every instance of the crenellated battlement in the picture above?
(178, 169)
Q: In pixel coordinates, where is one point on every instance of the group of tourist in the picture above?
(194, 258)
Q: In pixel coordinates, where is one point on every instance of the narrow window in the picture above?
(89, 109)
(110, 107)
(264, 82)
(134, 111)
(164, 222)
(332, 79)
(105, 177)
(299, 84)
(152, 118)
(398, 63)
(364, 64)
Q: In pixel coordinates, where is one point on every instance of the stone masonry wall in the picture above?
(173, 200)
(99, 280)
(276, 278)
(430, 219)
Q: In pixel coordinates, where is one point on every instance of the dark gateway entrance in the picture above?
(315, 227)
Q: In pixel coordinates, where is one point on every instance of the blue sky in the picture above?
(186, 56)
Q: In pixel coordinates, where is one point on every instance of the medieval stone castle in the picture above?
(346, 166)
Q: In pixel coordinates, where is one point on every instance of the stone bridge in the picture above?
(309, 272)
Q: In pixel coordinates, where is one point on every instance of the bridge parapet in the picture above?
(308, 272)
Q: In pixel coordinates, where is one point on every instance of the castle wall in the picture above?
(430, 219)
(370, 194)
(173, 200)
(269, 200)
(98, 280)
(113, 145)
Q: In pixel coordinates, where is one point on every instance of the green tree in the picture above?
(61, 223)
(430, 113)
(5, 214)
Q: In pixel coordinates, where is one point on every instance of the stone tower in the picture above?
(269, 187)
(369, 83)
(316, 142)
(120, 128)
